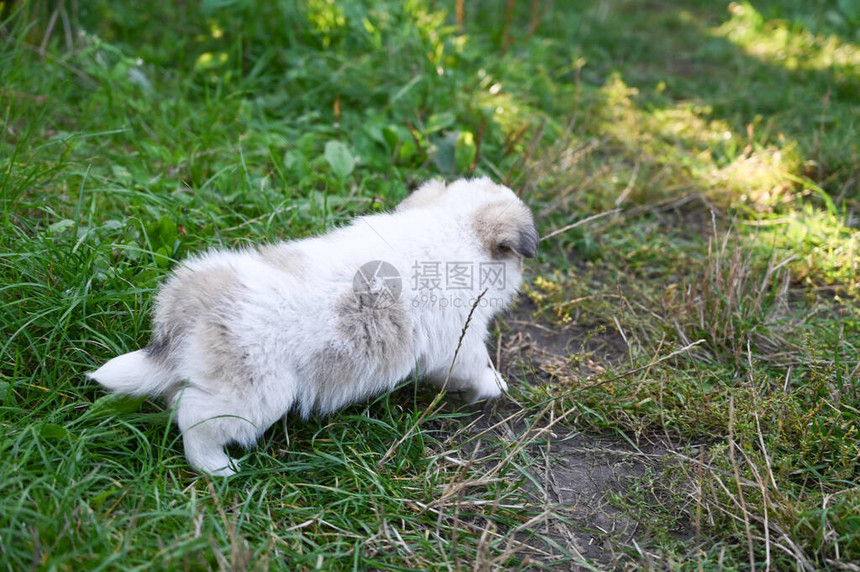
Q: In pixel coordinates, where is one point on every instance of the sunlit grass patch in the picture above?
(824, 250)
(789, 45)
(625, 152)
(759, 179)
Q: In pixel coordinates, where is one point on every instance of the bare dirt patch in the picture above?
(576, 481)
(528, 345)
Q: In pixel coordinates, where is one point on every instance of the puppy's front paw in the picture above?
(490, 385)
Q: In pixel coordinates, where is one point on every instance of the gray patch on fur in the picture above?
(284, 257)
(372, 341)
(506, 226)
(226, 362)
(328, 370)
(159, 347)
(379, 335)
(187, 298)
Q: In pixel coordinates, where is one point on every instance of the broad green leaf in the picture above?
(60, 226)
(339, 158)
(392, 135)
(121, 172)
(440, 121)
(162, 257)
(54, 431)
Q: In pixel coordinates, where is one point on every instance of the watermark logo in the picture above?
(377, 284)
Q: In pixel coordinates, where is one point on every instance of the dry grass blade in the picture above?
(735, 300)
(432, 407)
(741, 503)
(579, 223)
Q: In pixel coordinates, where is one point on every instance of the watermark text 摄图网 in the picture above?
(436, 284)
(430, 275)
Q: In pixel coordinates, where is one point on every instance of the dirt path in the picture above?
(579, 481)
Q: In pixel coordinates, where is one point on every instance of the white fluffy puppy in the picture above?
(240, 338)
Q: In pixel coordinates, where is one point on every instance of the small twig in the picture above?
(532, 325)
(498, 363)
(537, 14)
(526, 159)
(67, 29)
(765, 496)
(578, 223)
(301, 525)
(744, 512)
(621, 198)
(638, 369)
(479, 139)
(509, 16)
(516, 416)
(50, 29)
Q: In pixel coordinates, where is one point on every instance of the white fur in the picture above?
(252, 336)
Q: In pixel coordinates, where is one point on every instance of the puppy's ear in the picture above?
(423, 196)
(507, 229)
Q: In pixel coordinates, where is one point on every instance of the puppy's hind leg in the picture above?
(208, 423)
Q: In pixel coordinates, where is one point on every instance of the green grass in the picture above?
(716, 316)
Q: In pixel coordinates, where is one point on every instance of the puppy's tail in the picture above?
(134, 373)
